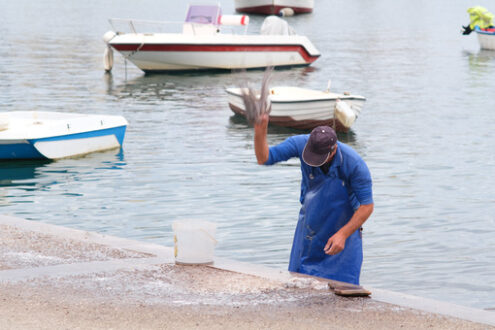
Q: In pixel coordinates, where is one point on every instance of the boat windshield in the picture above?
(204, 14)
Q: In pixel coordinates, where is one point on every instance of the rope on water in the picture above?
(335, 116)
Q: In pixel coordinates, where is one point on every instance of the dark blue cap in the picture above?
(320, 145)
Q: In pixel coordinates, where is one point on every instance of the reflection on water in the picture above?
(482, 62)
(108, 79)
(18, 172)
(163, 86)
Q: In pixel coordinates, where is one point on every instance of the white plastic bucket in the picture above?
(194, 242)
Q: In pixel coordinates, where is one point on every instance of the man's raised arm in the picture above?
(260, 144)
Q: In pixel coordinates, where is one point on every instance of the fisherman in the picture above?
(478, 16)
(336, 198)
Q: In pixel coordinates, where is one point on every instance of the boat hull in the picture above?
(301, 110)
(273, 7)
(486, 39)
(175, 52)
(43, 136)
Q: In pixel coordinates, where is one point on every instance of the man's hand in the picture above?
(335, 244)
(262, 124)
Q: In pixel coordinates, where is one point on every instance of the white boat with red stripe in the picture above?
(273, 7)
(201, 45)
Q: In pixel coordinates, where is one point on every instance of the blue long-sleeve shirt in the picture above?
(346, 165)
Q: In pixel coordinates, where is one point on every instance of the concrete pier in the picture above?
(54, 277)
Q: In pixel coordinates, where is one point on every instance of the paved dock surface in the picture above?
(58, 278)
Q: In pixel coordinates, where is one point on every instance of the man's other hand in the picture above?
(335, 244)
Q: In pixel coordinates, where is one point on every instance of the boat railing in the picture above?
(125, 25)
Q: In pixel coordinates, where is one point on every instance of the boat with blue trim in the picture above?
(55, 135)
(486, 37)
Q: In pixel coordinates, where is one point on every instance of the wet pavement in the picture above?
(56, 277)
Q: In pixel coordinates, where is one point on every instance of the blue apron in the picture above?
(326, 208)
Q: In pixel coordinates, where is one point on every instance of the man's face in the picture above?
(331, 154)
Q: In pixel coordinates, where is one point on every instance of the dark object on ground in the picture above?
(348, 290)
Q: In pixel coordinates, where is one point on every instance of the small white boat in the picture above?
(201, 45)
(273, 7)
(303, 108)
(486, 38)
(54, 135)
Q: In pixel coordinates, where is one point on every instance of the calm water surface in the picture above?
(426, 132)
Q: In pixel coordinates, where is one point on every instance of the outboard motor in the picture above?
(273, 25)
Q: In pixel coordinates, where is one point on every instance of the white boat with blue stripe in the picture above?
(55, 135)
(486, 38)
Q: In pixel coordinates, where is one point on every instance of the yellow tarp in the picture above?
(480, 16)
